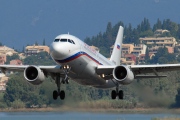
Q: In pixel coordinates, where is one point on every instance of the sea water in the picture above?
(80, 116)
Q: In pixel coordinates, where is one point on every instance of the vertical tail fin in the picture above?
(116, 54)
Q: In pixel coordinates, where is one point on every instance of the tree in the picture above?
(177, 99)
(28, 94)
(36, 43)
(44, 42)
(13, 57)
(162, 52)
(1, 44)
(147, 56)
(158, 25)
(23, 50)
(42, 58)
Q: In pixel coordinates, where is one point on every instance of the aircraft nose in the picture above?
(58, 50)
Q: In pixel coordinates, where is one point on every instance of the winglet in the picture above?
(116, 54)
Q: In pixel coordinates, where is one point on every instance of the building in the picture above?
(3, 81)
(95, 48)
(132, 49)
(155, 43)
(7, 51)
(22, 56)
(127, 48)
(32, 50)
(16, 62)
(154, 50)
(159, 41)
(128, 59)
(142, 58)
(159, 32)
(139, 49)
(2, 59)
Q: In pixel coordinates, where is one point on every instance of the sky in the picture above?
(25, 22)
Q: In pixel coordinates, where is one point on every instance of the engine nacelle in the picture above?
(34, 75)
(123, 75)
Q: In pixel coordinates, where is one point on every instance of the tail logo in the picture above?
(118, 46)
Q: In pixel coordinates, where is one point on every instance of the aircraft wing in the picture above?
(21, 68)
(139, 70)
(154, 68)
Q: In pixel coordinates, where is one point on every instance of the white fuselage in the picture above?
(83, 60)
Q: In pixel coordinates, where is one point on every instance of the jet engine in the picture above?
(123, 75)
(34, 75)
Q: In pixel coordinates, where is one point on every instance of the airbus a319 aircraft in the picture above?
(79, 62)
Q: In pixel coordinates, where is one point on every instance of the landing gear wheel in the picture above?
(55, 94)
(63, 82)
(67, 81)
(62, 95)
(121, 94)
(113, 94)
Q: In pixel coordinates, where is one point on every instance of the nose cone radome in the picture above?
(58, 50)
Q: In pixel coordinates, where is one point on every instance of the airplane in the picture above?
(79, 62)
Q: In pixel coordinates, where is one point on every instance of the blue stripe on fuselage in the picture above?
(73, 57)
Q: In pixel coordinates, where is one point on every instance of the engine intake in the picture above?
(34, 75)
(123, 75)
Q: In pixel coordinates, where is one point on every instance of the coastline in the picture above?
(95, 110)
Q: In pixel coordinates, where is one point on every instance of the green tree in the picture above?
(19, 90)
(160, 56)
(44, 42)
(157, 25)
(1, 44)
(147, 56)
(177, 99)
(13, 57)
(23, 50)
(36, 43)
(42, 58)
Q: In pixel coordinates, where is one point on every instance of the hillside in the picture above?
(143, 93)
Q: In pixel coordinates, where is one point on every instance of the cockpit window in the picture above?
(72, 41)
(63, 40)
(56, 40)
(69, 41)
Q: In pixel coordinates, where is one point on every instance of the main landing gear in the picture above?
(117, 92)
(61, 79)
(60, 92)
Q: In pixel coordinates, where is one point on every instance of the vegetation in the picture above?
(146, 93)
(131, 35)
(42, 58)
(9, 58)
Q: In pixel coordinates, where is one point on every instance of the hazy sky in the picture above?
(24, 22)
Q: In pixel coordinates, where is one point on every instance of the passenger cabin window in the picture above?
(56, 40)
(63, 40)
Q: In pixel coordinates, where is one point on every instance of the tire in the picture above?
(55, 94)
(113, 94)
(67, 81)
(121, 95)
(62, 95)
